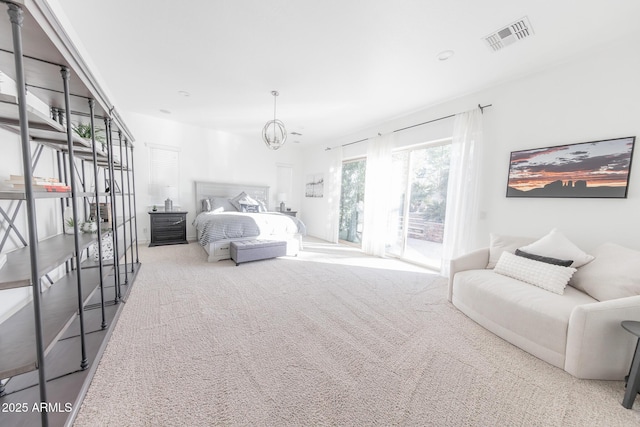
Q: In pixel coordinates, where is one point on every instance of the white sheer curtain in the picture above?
(333, 192)
(377, 194)
(463, 190)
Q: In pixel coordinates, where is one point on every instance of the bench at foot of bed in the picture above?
(254, 250)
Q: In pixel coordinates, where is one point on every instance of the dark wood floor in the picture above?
(66, 382)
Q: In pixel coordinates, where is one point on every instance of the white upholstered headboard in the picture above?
(208, 190)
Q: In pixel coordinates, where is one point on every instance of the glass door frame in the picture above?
(407, 200)
(345, 161)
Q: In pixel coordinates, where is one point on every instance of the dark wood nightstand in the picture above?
(168, 228)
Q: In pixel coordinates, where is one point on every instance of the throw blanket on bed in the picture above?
(215, 226)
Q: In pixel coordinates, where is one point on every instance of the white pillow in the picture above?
(500, 243)
(556, 245)
(220, 203)
(553, 278)
(614, 273)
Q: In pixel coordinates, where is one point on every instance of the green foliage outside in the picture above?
(431, 178)
(351, 200)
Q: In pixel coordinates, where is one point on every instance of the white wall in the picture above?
(588, 99)
(585, 99)
(207, 155)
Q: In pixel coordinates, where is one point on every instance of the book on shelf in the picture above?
(39, 184)
(45, 187)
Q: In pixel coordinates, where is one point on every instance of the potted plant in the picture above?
(69, 225)
(84, 131)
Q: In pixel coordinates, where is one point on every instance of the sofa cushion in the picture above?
(614, 273)
(536, 319)
(547, 276)
(500, 243)
(556, 245)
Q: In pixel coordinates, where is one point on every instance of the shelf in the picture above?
(46, 49)
(21, 195)
(37, 120)
(52, 252)
(90, 263)
(44, 38)
(101, 158)
(44, 130)
(58, 307)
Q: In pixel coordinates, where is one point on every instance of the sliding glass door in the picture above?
(420, 179)
(352, 201)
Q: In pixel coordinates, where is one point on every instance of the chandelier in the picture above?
(273, 133)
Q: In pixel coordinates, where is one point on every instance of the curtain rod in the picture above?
(481, 107)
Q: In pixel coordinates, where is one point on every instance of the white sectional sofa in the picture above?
(576, 328)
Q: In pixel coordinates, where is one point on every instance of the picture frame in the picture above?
(314, 185)
(596, 169)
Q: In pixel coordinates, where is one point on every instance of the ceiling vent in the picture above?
(510, 34)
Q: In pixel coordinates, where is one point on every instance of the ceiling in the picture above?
(340, 65)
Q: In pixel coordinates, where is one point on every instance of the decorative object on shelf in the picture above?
(598, 169)
(89, 227)
(155, 208)
(282, 198)
(69, 222)
(107, 248)
(105, 211)
(274, 133)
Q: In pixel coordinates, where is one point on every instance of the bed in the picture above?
(233, 212)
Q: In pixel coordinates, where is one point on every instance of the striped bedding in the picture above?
(214, 226)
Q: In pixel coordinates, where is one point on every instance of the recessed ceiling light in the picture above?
(184, 93)
(165, 111)
(444, 55)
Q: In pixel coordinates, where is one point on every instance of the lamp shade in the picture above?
(171, 192)
(282, 197)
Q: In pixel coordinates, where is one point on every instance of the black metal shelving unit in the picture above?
(50, 348)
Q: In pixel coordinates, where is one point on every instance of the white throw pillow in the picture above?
(556, 245)
(500, 243)
(553, 278)
(614, 273)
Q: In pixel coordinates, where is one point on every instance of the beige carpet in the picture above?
(329, 338)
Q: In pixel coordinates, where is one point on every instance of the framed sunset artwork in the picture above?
(598, 169)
